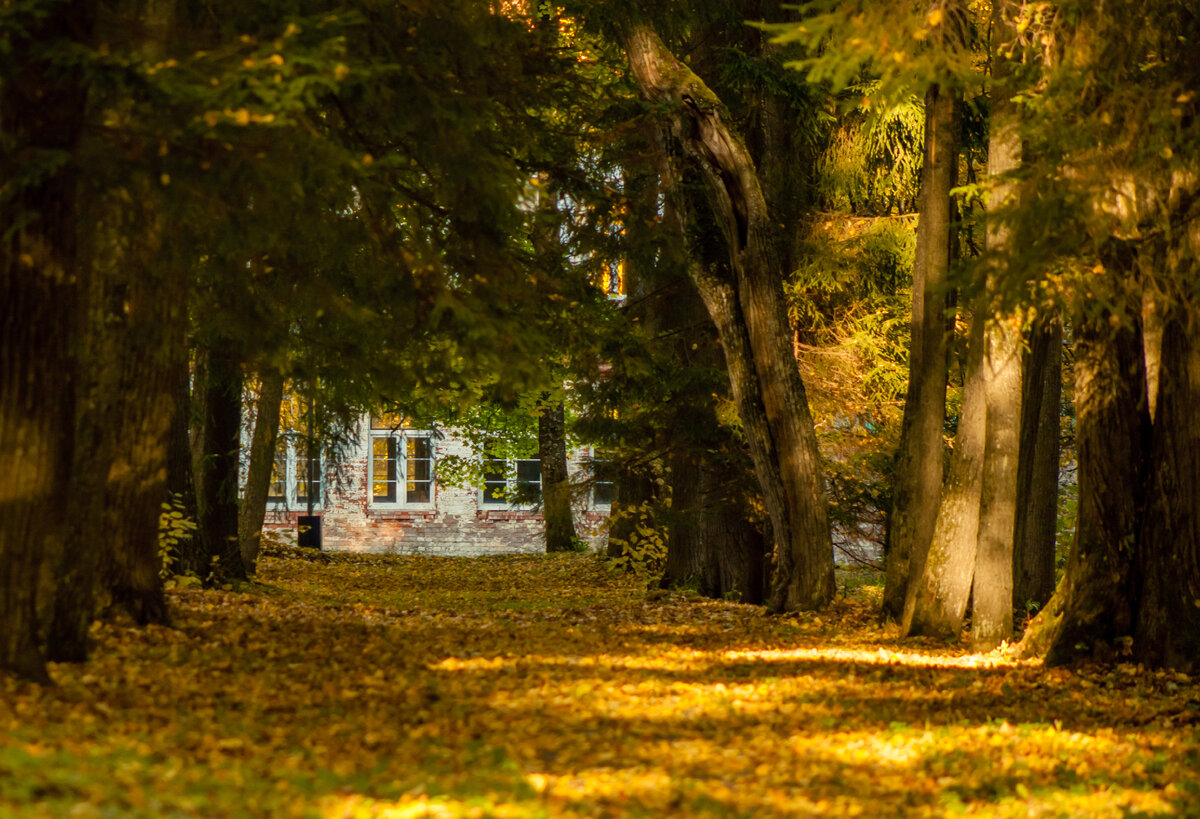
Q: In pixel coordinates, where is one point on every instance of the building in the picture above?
(385, 497)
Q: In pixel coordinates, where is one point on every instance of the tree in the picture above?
(751, 322)
(918, 476)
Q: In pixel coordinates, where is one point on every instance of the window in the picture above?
(515, 481)
(401, 465)
(289, 473)
(602, 482)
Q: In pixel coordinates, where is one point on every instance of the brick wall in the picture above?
(455, 524)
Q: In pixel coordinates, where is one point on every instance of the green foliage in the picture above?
(174, 527)
(644, 551)
(904, 45)
(872, 164)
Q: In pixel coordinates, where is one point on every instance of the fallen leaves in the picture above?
(551, 686)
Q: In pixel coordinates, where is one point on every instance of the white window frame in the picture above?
(401, 436)
(290, 502)
(511, 484)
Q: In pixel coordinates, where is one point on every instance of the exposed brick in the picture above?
(456, 524)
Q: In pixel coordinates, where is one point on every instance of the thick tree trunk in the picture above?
(1092, 607)
(559, 524)
(1037, 466)
(734, 563)
(262, 461)
(218, 482)
(1167, 628)
(784, 444)
(937, 602)
(685, 540)
(42, 299)
(918, 483)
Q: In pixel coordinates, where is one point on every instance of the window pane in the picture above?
(302, 474)
(494, 481)
(419, 470)
(529, 480)
(602, 484)
(383, 470)
(529, 471)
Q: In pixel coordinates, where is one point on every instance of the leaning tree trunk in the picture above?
(42, 108)
(752, 323)
(262, 462)
(218, 482)
(1037, 466)
(918, 482)
(937, 602)
(556, 485)
(1092, 608)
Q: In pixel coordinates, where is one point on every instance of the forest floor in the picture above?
(558, 686)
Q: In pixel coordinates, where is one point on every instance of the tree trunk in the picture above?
(1037, 466)
(751, 311)
(262, 462)
(734, 563)
(43, 291)
(918, 482)
(937, 602)
(1167, 628)
(556, 487)
(190, 556)
(685, 538)
(1092, 607)
(218, 483)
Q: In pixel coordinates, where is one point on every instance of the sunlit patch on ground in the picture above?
(552, 686)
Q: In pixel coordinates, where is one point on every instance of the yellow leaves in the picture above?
(237, 116)
(340, 72)
(935, 17)
(531, 685)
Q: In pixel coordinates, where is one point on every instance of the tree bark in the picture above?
(919, 459)
(42, 299)
(218, 481)
(559, 523)
(1037, 466)
(937, 602)
(992, 593)
(190, 558)
(1167, 628)
(751, 311)
(262, 461)
(734, 561)
(1092, 607)
(685, 538)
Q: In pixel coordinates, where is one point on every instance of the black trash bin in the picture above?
(309, 535)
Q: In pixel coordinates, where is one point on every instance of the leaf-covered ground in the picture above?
(554, 686)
